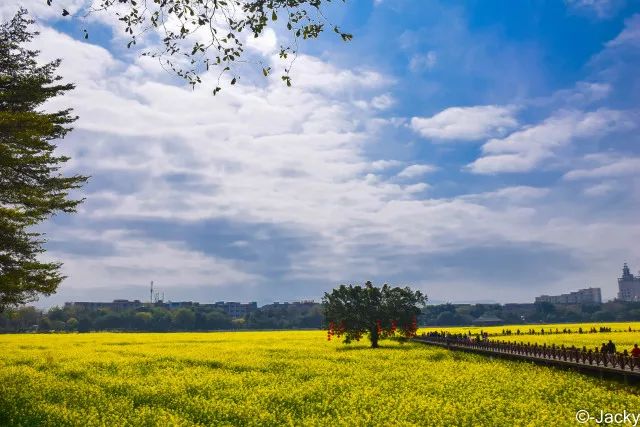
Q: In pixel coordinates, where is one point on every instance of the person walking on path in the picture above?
(635, 356)
(635, 351)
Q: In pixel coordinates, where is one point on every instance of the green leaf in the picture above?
(274, 17)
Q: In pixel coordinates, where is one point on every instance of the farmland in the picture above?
(280, 378)
(614, 326)
(619, 334)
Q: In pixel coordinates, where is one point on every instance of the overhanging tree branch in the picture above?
(177, 21)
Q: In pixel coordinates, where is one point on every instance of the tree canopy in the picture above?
(196, 35)
(32, 187)
(353, 311)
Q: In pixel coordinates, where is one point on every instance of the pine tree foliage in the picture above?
(32, 186)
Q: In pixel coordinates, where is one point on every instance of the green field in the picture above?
(280, 378)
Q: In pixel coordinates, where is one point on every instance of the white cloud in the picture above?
(466, 123)
(266, 43)
(39, 8)
(630, 35)
(505, 163)
(619, 167)
(422, 62)
(602, 8)
(582, 94)
(87, 64)
(384, 164)
(525, 149)
(310, 73)
(382, 102)
(599, 190)
(591, 91)
(295, 159)
(413, 171)
(135, 260)
(277, 155)
(290, 157)
(516, 194)
(417, 188)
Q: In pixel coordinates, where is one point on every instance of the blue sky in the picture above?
(477, 150)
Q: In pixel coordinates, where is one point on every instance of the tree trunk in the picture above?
(373, 336)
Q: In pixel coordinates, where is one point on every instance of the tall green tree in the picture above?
(32, 186)
(355, 311)
(184, 319)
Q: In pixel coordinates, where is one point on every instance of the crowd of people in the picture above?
(549, 331)
(605, 355)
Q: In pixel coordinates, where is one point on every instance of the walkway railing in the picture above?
(620, 363)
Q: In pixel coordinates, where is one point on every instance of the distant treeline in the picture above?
(158, 319)
(291, 316)
(544, 312)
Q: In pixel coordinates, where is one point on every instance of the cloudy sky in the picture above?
(477, 150)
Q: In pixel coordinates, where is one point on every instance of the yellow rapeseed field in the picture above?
(614, 326)
(619, 334)
(280, 378)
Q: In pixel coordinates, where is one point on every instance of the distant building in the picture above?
(233, 309)
(517, 305)
(628, 285)
(116, 305)
(172, 305)
(123, 304)
(582, 296)
(236, 309)
(277, 304)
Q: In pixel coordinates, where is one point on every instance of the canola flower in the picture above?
(619, 334)
(279, 378)
(548, 327)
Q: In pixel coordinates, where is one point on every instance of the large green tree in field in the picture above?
(32, 187)
(355, 311)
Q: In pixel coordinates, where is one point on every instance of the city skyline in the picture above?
(473, 150)
(590, 294)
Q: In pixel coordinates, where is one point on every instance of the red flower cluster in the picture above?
(333, 330)
(411, 329)
(330, 331)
